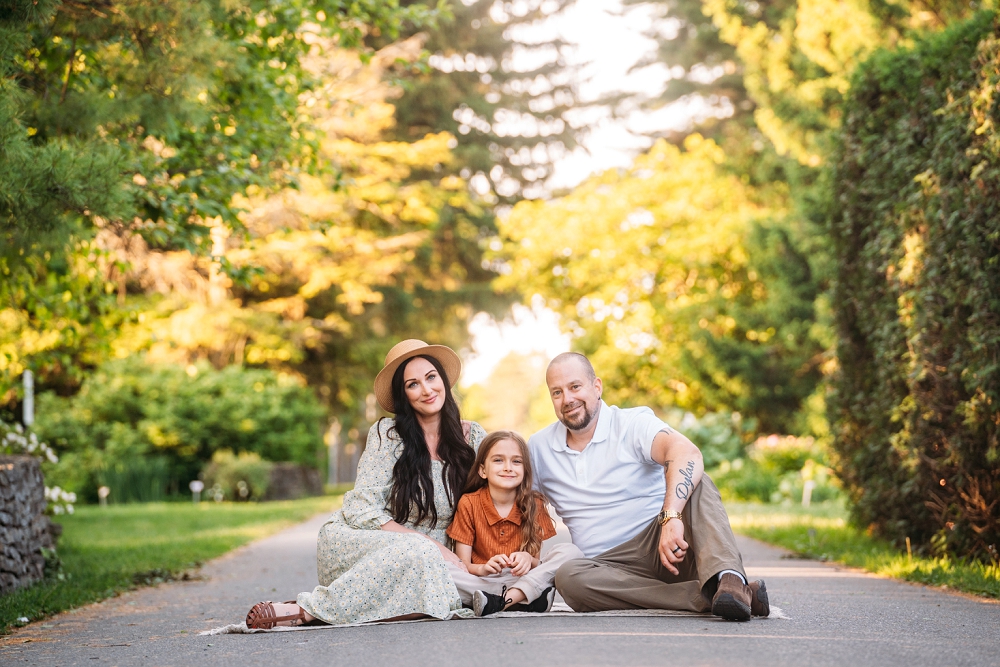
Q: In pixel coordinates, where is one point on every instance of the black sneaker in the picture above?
(541, 605)
(484, 604)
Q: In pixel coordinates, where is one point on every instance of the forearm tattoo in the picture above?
(686, 485)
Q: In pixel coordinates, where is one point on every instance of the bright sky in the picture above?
(609, 44)
(528, 330)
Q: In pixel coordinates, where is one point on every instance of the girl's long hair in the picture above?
(412, 486)
(526, 498)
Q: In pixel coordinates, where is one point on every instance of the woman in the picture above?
(383, 555)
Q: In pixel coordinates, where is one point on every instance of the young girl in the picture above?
(499, 526)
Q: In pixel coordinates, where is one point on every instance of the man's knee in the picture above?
(570, 580)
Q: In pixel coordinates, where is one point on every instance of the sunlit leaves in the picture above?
(671, 278)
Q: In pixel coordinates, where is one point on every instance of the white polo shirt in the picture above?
(612, 489)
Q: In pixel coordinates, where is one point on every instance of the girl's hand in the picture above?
(520, 563)
(496, 564)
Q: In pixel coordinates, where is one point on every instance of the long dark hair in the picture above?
(412, 487)
(526, 499)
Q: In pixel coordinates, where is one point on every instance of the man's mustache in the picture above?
(570, 408)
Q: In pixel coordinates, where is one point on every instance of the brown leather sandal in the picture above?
(262, 616)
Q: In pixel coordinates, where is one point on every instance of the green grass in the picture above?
(105, 551)
(822, 532)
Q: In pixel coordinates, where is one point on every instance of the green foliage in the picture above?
(134, 479)
(510, 124)
(142, 120)
(719, 435)
(685, 284)
(822, 532)
(777, 469)
(108, 550)
(129, 415)
(243, 476)
(916, 230)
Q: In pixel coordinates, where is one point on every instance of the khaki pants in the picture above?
(631, 576)
(531, 584)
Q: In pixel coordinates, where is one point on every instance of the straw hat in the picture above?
(405, 350)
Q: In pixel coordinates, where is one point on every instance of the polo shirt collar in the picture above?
(492, 516)
(601, 433)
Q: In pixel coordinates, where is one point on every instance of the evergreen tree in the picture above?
(503, 95)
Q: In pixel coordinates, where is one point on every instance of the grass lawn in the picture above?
(822, 532)
(105, 551)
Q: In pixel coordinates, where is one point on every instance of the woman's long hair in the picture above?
(526, 498)
(412, 486)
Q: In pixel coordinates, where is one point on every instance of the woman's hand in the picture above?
(450, 556)
(496, 564)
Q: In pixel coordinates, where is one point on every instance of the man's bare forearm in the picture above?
(682, 464)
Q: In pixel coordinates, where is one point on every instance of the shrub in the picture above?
(916, 233)
(17, 441)
(719, 435)
(237, 477)
(145, 430)
(776, 470)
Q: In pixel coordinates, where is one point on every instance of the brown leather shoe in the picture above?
(759, 606)
(732, 599)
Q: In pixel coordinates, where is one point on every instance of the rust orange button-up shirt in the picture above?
(478, 524)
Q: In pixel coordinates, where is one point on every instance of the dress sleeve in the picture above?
(548, 529)
(462, 528)
(475, 435)
(366, 507)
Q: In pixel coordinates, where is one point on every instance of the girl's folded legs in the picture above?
(515, 596)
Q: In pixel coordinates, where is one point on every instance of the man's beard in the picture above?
(581, 422)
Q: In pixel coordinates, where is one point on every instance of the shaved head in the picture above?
(580, 359)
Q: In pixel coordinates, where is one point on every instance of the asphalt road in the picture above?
(836, 617)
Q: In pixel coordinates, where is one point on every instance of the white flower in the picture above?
(69, 509)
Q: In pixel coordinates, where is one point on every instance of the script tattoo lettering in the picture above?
(685, 486)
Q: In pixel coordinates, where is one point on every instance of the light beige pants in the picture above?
(631, 576)
(531, 584)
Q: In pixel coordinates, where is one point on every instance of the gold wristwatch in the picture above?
(667, 515)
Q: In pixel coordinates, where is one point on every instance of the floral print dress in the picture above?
(368, 574)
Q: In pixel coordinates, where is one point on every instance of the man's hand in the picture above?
(520, 563)
(673, 548)
(496, 564)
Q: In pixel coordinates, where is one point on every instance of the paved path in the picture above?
(838, 617)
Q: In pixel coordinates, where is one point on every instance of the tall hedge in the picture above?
(916, 232)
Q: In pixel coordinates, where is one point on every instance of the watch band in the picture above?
(667, 515)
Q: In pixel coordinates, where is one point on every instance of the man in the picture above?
(632, 493)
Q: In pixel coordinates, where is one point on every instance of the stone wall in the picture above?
(290, 481)
(24, 529)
